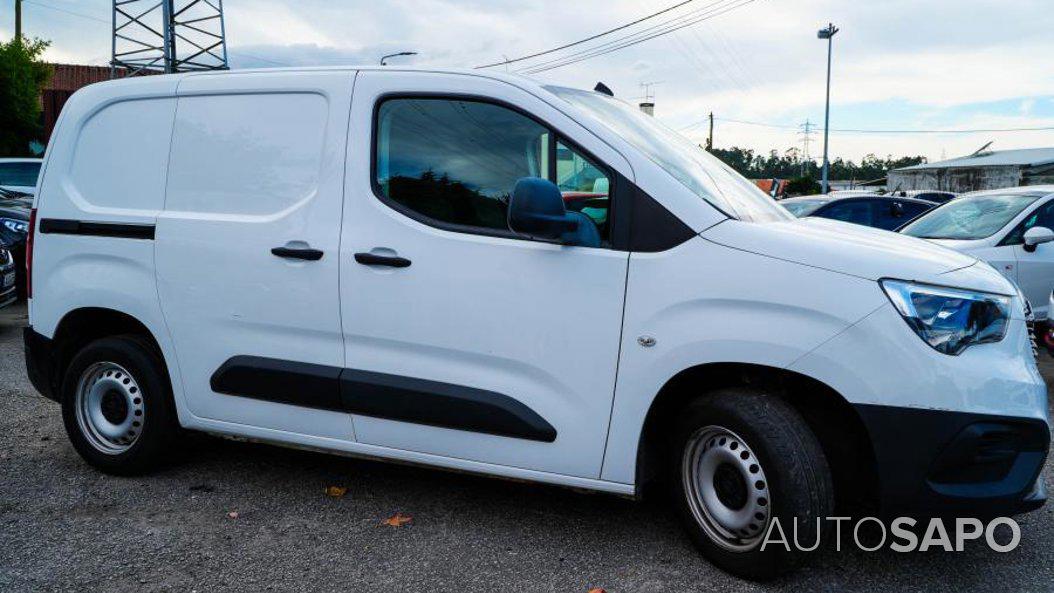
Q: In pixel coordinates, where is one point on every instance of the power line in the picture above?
(633, 39)
(637, 34)
(70, 12)
(590, 38)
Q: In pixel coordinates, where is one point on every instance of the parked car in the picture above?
(19, 174)
(1006, 228)
(869, 210)
(390, 269)
(8, 291)
(14, 226)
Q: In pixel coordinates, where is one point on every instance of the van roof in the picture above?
(518, 79)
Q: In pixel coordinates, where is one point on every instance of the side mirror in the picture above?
(1036, 236)
(537, 209)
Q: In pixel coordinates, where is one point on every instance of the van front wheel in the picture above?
(117, 405)
(743, 460)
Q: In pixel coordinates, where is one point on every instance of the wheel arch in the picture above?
(828, 414)
(83, 325)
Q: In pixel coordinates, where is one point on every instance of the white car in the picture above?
(469, 270)
(20, 175)
(1008, 228)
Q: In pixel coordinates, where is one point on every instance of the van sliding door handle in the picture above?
(298, 253)
(372, 259)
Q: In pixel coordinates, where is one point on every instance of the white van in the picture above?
(472, 271)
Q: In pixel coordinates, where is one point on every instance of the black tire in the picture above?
(797, 479)
(159, 426)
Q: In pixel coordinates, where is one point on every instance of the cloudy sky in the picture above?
(898, 64)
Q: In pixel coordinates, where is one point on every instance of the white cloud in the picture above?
(903, 63)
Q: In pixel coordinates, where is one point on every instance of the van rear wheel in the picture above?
(741, 460)
(117, 405)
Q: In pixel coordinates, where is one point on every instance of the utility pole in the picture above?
(18, 20)
(710, 138)
(827, 34)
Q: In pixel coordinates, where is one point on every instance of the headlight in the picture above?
(949, 319)
(18, 226)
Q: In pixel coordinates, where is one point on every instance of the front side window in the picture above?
(970, 217)
(1042, 217)
(457, 161)
(584, 185)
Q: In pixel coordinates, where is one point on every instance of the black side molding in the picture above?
(441, 404)
(122, 230)
(380, 395)
(274, 380)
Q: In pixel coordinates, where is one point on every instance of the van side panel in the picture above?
(105, 167)
(705, 303)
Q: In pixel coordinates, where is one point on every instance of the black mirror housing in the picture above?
(537, 209)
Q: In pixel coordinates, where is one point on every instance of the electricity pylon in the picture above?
(152, 36)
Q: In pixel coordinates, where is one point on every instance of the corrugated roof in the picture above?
(1021, 157)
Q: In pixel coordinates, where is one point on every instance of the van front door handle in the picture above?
(372, 259)
(298, 253)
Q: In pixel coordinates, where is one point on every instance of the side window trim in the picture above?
(616, 180)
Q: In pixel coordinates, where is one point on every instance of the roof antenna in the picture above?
(603, 88)
(982, 149)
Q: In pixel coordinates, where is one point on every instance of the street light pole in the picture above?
(827, 34)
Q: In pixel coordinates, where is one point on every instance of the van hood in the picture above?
(856, 250)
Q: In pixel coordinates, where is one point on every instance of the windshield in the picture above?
(970, 217)
(698, 170)
(803, 207)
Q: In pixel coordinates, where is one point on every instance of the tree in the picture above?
(22, 80)
(791, 165)
(803, 186)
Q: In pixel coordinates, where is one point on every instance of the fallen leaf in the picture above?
(597, 590)
(232, 515)
(398, 520)
(335, 491)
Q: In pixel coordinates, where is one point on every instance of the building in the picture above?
(65, 79)
(984, 170)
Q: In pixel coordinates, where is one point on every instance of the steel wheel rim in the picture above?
(733, 517)
(109, 407)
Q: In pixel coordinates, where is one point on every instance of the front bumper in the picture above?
(955, 463)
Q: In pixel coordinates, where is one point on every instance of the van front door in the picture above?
(464, 341)
(246, 252)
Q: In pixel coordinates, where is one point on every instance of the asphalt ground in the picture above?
(234, 516)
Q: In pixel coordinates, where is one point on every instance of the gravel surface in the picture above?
(66, 527)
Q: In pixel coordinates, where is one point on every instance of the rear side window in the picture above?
(120, 153)
(254, 154)
(23, 174)
(455, 162)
